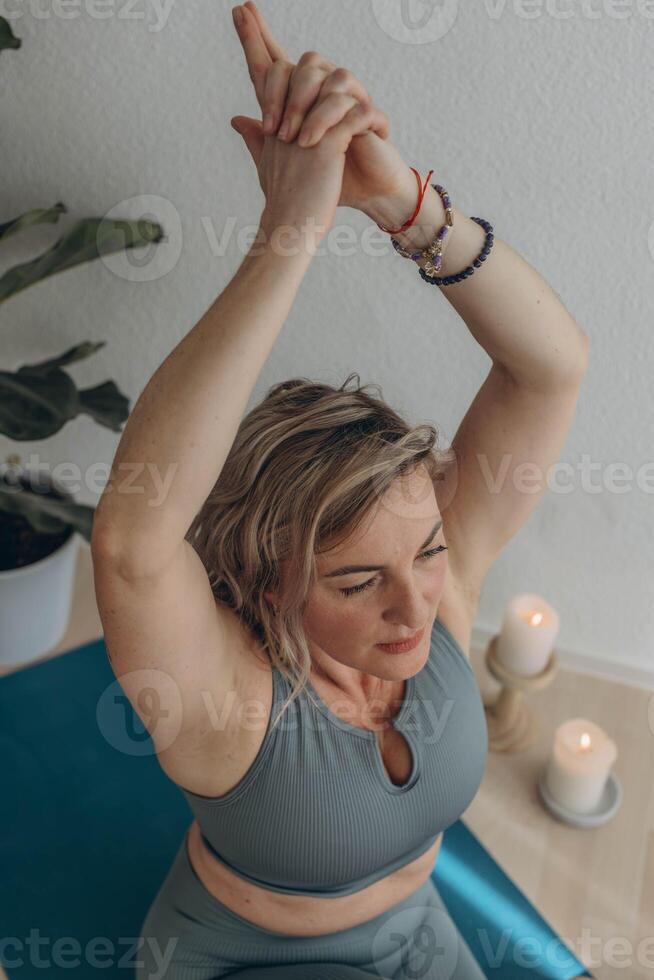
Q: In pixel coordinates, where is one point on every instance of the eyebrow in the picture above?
(348, 569)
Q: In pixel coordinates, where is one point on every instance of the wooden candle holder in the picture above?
(512, 726)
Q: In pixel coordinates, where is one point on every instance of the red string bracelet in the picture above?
(421, 192)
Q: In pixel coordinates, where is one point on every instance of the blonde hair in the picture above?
(305, 469)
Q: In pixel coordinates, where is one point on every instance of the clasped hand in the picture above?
(306, 99)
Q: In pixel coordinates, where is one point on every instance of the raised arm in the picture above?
(511, 311)
(515, 429)
(523, 410)
(181, 428)
(180, 431)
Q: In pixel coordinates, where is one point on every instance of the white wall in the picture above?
(537, 119)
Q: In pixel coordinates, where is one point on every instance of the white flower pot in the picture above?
(35, 604)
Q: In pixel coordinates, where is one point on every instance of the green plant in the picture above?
(38, 399)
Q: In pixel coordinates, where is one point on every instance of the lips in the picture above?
(402, 639)
(402, 646)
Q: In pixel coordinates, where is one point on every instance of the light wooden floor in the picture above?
(593, 886)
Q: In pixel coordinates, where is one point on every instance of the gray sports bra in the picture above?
(317, 814)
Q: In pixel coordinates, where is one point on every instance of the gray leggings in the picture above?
(190, 935)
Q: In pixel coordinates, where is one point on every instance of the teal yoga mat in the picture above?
(89, 825)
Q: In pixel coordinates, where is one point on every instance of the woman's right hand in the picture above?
(309, 182)
(375, 172)
(302, 185)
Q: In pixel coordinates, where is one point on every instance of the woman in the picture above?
(247, 582)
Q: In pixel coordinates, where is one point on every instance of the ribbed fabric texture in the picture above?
(317, 814)
(188, 934)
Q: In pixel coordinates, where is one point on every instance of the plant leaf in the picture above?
(38, 399)
(7, 38)
(34, 406)
(46, 514)
(86, 240)
(76, 353)
(35, 217)
(106, 404)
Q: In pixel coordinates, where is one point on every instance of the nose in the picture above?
(410, 608)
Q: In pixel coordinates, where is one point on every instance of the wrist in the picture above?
(392, 212)
(428, 222)
(287, 235)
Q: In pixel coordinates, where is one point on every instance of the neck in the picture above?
(357, 686)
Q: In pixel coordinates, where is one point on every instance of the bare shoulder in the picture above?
(457, 609)
(168, 638)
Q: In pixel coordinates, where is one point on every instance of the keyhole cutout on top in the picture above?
(393, 750)
(396, 755)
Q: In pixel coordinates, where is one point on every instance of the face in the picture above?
(348, 614)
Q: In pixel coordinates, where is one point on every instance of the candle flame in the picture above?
(535, 619)
(584, 740)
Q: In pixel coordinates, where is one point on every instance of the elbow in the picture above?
(102, 543)
(108, 542)
(110, 553)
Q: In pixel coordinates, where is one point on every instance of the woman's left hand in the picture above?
(374, 171)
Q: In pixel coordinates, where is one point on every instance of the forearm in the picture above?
(507, 306)
(183, 425)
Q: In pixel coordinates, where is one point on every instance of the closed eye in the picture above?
(366, 585)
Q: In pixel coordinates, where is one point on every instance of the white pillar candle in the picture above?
(577, 770)
(529, 628)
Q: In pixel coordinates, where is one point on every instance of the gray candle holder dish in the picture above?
(606, 808)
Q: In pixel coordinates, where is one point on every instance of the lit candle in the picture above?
(577, 770)
(529, 628)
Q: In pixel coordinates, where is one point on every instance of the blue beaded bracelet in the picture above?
(488, 244)
(421, 253)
